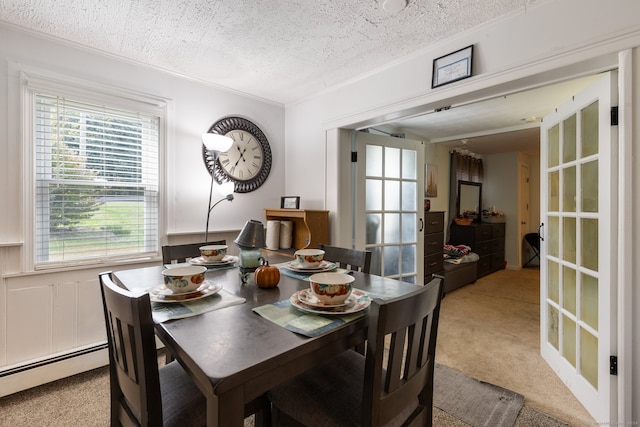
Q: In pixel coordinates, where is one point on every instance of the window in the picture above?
(95, 178)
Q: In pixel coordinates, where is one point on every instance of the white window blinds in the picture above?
(96, 178)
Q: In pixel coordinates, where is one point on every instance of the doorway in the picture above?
(517, 236)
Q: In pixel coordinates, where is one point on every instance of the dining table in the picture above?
(234, 354)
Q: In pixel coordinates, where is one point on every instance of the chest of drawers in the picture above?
(433, 241)
(487, 240)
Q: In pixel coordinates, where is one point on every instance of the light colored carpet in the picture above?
(490, 330)
(83, 400)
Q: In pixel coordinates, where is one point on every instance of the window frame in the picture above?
(37, 81)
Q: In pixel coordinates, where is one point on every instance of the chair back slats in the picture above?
(407, 372)
(350, 259)
(135, 384)
(182, 253)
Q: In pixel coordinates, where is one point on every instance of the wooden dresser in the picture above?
(433, 243)
(487, 240)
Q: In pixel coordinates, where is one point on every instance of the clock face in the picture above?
(248, 162)
(243, 161)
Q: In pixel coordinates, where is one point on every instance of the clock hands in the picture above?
(241, 155)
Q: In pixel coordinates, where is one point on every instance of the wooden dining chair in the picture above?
(177, 254)
(142, 394)
(377, 389)
(350, 259)
(181, 253)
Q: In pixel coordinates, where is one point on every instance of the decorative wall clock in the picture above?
(248, 162)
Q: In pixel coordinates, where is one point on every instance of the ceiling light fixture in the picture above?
(464, 151)
(531, 119)
(394, 6)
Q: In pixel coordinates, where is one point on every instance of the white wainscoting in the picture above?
(52, 323)
(52, 326)
(52, 313)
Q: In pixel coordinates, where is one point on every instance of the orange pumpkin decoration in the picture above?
(266, 276)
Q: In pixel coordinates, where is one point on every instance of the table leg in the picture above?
(212, 411)
(226, 410)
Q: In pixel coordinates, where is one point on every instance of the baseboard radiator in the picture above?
(23, 377)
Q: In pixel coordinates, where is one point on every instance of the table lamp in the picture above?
(250, 241)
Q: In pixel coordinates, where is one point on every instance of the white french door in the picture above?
(389, 211)
(578, 252)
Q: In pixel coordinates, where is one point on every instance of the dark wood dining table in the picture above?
(234, 355)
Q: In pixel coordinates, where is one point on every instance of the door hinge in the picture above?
(354, 157)
(614, 116)
(613, 365)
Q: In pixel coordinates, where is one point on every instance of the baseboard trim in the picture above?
(33, 375)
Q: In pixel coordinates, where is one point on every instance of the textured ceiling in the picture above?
(287, 50)
(280, 50)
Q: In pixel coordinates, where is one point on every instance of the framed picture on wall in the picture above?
(290, 202)
(431, 180)
(452, 67)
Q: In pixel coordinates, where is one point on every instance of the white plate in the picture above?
(324, 266)
(228, 259)
(357, 301)
(307, 297)
(163, 294)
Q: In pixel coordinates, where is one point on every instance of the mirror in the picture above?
(469, 199)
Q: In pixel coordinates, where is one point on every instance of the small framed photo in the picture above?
(290, 202)
(452, 67)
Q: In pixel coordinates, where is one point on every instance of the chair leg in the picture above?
(361, 348)
(168, 357)
(261, 408)
(531, 259)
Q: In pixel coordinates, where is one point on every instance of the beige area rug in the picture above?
(477, 403)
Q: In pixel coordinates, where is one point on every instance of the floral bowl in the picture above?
(331, 288)
(181, 280)
(213, 252)
(309, 258)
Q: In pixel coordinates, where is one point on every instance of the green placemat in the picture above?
(282, 313)
(177, 310)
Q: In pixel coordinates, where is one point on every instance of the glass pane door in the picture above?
(577, 280)
(389, 174)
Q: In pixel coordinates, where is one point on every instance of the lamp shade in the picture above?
(225, 188)
(216, 142)
(251, 236)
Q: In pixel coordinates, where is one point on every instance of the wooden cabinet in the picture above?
(433, 241)
(310, 227)
(487, 240)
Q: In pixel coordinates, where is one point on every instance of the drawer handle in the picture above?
(434, 222)
(433, 243)
(432, 264)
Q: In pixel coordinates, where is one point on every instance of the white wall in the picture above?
(439, 155)
(551, 41)
(500, 189)
(59, 312)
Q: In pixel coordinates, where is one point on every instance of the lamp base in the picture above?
(245, 272)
